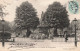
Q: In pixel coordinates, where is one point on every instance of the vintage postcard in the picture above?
(39, 25)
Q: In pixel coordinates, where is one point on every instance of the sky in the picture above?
(39, 5)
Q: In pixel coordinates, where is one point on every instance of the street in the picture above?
(25, 43)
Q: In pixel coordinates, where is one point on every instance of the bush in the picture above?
(50, 36)
(38, 36)
(6, 35)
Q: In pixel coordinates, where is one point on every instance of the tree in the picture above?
(6, 23)
(56, 16)
(26, 17)
(6, 26)
(72, 25)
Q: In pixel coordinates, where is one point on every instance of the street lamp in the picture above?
(75, 22)
(3, 40)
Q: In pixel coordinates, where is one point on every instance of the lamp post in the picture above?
(3, 40)
(75, 21)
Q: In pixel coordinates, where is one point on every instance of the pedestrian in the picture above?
(66, 36)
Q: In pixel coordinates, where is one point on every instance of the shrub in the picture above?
(6, 35)
(38, 36)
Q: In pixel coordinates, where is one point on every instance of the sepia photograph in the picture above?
(39, 25)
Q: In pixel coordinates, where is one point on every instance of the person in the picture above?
(66, 36)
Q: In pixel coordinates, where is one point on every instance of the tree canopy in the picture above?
(56, 16)
(6, 26)
(26, 16)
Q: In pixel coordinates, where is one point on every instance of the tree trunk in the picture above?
(62, 31)
(55, 32)
(48, 32)
(28, 32)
